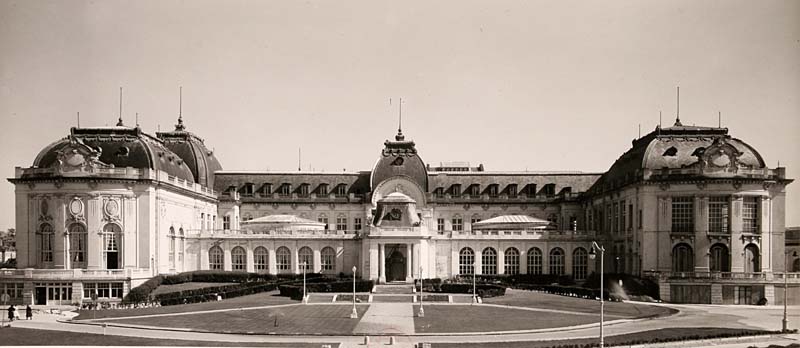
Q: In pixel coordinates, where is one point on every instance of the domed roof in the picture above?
(119, 147)
(400, 158)
(193, 151)
(680, 147)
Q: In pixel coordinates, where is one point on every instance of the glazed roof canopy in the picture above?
(511, 222)
(685, 150)
(118, 147)
(200, 160)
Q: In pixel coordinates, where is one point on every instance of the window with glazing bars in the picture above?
(750, 215)
(718, 218)
(682, 214)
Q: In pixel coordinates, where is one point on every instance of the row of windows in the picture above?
(615, 218)
(493, 190)
(718, 214)
(511, 258)
(103, 290)
(719, 258)
(12, 289)
(78, 235)
(283, 259)
(285, 189)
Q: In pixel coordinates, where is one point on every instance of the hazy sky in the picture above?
(554, 85)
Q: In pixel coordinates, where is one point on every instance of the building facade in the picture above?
(104, 209)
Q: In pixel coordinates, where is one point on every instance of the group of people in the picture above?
(13, 313)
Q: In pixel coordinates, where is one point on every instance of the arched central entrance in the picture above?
(396, 266)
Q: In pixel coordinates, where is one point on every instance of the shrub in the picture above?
(573, 291)
(141, 293)
(216, 276)
(483, 290)
(430, 284)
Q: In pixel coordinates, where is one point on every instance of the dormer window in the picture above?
(456, 190)
(398, 161)
(671, 152)
(439, 192)
(322, 190)
(303, 190)
(285, 190)
(266, 190)
(493, 190)
(549, 190)
(247, 190)
(531, 193)
(475, 191)
(341, 190)
(512, 190)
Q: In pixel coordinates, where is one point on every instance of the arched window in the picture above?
(306, 257)
(466, 261)
(45, 242)
(534, 261)
(718, 261)
(111, 251)
(238, 259)
(77, 245)
(283, 260)
(682, 258)
(580, 263)
(511, 259)
(171, 237)
(261, 259)
(752, 259)
(328, 259)
(489, 261)
(216, 260)
(557, 261)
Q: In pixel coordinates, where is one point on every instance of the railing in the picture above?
(762, 173)
(44, 274)
(792, 277)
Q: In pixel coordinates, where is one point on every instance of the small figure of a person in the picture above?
(16, 313)
(28, 313)
(11, 313)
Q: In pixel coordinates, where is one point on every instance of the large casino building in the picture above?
(104, 209)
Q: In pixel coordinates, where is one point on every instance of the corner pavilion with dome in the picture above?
(106, 208)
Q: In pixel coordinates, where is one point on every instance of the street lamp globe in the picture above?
(592, 253)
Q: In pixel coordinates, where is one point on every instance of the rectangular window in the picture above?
(357, 224)
(247, 190)
(640, 219)
(323, 219)
(46, 246)
(458, 224)
(615, 227)
(89, 289)
(341, 190)
(718, 218)
(609, 218)
(116, 290)
(323, 190)
(440, 226)
(226, 222)
(180, 251)
(12, 289)
(341, 223)
(750, 223)
(630, 216)
(682, 214)
(172, 252)
(622, 217)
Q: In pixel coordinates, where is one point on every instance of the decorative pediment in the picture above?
(721, 158)
(77, 159)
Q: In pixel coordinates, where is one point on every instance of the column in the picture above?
(381, 263)
(272, 261)
(94, 243)
(737, 244)
(409, 258)
(701, 243)
(501, 261)
(295, 260)
(416, 256)
(250, 261)
(372, 263)
(60, 244)
(203, 255)
(226, 258)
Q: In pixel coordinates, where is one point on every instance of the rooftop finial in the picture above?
(399, 136)
(119, 122)
(678, 112)
(180, 126)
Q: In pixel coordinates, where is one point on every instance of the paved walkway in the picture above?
(386, 319)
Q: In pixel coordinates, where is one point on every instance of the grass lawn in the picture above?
(300, 319)
(29, 337)
(163, 289)
(627, 339)
(614, 310)
(467, 318)
(262, 299)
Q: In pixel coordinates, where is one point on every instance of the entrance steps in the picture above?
(394, 289)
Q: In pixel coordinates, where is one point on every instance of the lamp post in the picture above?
(354, 314)
(304, 264)
(474, 294)
(592, 255)
(786, 290)
(421, 310)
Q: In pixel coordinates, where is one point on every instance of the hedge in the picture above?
(211, 293)
(572, 291)
(216, 276)
(141, 293)
(510, 280)
(430, 284)
(295, 291)
(483, 290)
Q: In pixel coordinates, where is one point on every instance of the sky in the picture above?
(512, 85)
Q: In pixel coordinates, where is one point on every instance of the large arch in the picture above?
(718, 258)
(682, 258)
(752, 259)
(466, 261)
